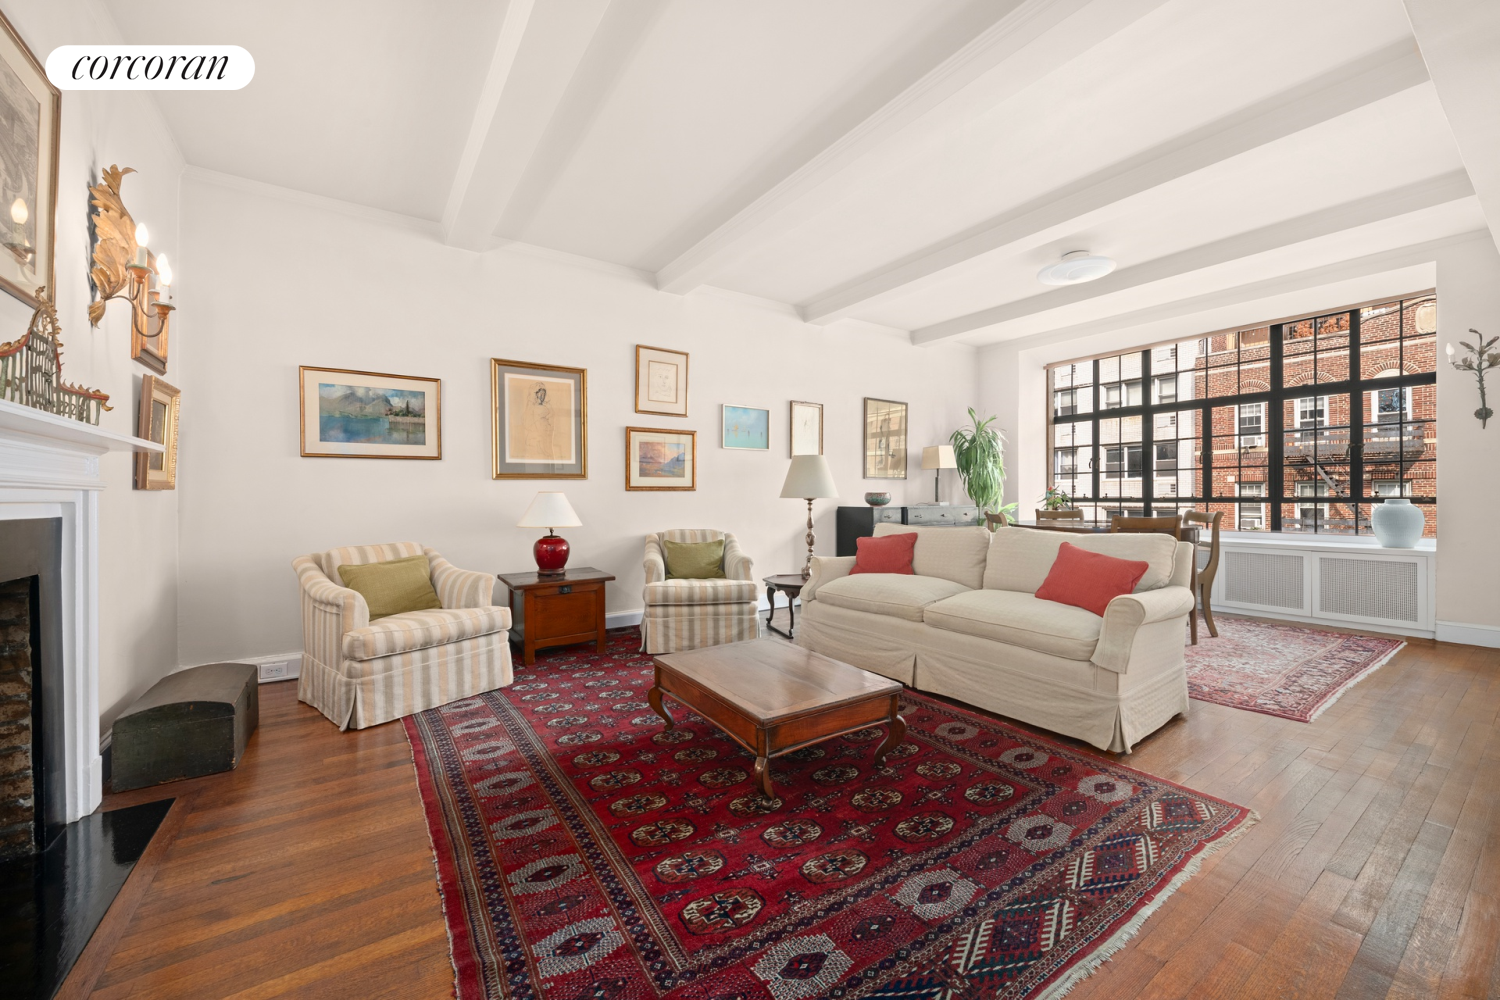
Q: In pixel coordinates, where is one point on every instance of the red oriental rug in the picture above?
(584, 853)
(1282, 670)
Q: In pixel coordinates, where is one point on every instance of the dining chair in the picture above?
(1071, 514)
(1163, 525)
(1207, 558)
(993, 521)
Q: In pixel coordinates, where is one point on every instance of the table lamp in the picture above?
(550, 510)
(809, 479)
(938, 457)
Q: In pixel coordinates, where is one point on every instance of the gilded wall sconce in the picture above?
(1482, 358)
(125, 268)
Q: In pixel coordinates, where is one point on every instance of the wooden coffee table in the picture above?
(772, 697)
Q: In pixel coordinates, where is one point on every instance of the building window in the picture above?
(1300, 425)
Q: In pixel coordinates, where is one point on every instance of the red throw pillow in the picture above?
(1089, 580)
(886, 554)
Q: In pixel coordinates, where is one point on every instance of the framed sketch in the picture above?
(350, 414)
(539, 421)
(885, 439)
(157, 422)
(747, 428)
(661, 381)
(660, 459)
(30, 113)
(807, 428)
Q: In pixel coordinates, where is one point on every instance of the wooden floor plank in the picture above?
(1374, 869)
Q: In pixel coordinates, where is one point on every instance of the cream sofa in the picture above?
(968, 626)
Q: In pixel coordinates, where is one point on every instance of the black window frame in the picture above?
(1356, 390)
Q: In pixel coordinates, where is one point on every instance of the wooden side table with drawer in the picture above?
(557, 610)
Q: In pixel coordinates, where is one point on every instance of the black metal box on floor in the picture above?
(194, 722)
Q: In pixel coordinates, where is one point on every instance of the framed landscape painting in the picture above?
(807, 428)
(660, 459)
(885, 439)
(157, 421)
(538, 421)
(353, 414)
(747, 428)
(661, 381)
(30, 113)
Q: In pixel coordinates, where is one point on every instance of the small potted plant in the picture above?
(1057, 500)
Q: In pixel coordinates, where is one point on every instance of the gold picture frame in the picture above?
(27, 247)
(805, 420)
(885, 432)
(539, 421)
(661, 381)
(661, 459)
(157, 421)
(358, 414)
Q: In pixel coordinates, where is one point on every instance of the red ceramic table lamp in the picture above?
(550, 510)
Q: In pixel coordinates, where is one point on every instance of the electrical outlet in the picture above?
(273, 671)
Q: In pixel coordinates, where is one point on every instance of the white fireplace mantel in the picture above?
(49, 467)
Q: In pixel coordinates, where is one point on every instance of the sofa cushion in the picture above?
(1020, 560)
(420, 629)
(1020, 620)
(1090, 580)
(700, 592)
(956, 554)
(884, 554)
(694, 560)
(888, 593)
(391, 587)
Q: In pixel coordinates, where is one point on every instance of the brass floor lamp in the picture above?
(809, 479)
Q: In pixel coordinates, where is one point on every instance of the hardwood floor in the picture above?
(1374, 870)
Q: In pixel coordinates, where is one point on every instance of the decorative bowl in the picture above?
(877, 499)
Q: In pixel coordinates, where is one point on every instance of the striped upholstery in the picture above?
(689, 614)
(359, 674)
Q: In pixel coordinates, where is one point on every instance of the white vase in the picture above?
(1397, 524)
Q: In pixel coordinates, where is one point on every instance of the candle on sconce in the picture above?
(142, 237)
(164, 279)
(19, 214)
(1449, 348)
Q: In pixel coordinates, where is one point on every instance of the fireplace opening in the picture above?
(57, 879)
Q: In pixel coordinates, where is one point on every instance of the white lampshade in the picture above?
(549, 510)
(939, 456)
(809, 479)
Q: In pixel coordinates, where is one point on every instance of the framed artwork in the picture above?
(660, 459)
(157, 422)
(747, 428)
(807, 428)
(30, 114)
(350, 414)
(885, 439)
(661, 381)
(539, 421)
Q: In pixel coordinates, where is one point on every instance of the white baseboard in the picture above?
(291, 662)
(1468, 634)
(623, 619)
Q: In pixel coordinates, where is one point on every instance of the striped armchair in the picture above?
(688, 614)
(361, 673)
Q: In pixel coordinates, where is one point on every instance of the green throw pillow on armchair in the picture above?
(694, 560)
(390, 588)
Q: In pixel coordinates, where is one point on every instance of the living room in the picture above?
(786, 288)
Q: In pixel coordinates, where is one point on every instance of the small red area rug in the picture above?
(1281, 670)
(584, 853)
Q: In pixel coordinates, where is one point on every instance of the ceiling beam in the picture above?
(1459, 40)
(1327, 274)
(1336, 219)
(536, 54)
(1057, 213)
(1030, 39)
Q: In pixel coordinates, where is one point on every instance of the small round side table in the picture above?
(791, 585)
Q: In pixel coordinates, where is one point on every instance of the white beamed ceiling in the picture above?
(906, 163)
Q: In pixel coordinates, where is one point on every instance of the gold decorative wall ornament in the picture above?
(124, 268)
(31, 370)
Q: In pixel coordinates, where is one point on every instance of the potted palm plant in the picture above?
(979, 451)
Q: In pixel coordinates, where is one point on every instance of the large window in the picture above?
(1292, 426)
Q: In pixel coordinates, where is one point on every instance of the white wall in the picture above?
(273, 280)
(138, 530)
(1466, 273)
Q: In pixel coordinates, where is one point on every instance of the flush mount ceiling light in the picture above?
(1075, 267)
